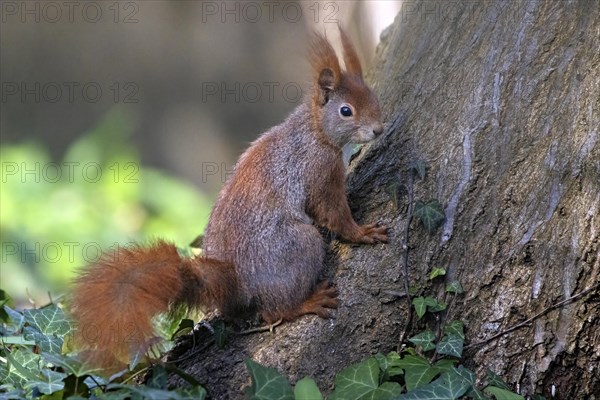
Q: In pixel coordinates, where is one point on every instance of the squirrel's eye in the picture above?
(346, 111)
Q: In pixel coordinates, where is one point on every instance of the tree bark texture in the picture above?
(501, 99)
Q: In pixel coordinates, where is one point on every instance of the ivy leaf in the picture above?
(424, 339)
(436, 272)
(495, 380)
(419, 168)
(158, 380)
(445, 364)
(15, 317)
(307, 389)
(186, 252)
(455, 327)
(387, 391)
(454, 287)
(146, 392)
(50, 320)
(430, 213)
(389, 365)
(357, 380)
(477, 394)
(267, 383)
(421, 303)
(53, 382)
(23, 366)
(71, 365)
(502, 394)
(417, 371)
(450, 345)
(437, 306)
(48, 343)
(449, 386)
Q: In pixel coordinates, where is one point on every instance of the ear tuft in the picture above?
(350, 56)
(322, 58)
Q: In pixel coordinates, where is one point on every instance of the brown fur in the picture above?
(115, 298)
(262, 228)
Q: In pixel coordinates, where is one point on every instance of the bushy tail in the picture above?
(115, 299)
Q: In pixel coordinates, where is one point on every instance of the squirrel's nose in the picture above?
(378, 129)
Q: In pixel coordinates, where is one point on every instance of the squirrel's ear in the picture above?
(324, 62)
(326, 80)
(326, 69)
(351, 59)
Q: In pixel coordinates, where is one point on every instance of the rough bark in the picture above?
(502, 100)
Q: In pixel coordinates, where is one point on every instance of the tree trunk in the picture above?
(501, 99)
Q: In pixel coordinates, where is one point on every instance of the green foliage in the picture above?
(60, 215)
(306, 389)
(267, 383)
(393, 376)
(424, 304)
(419, 168)
(436, 272)
(35, 362)
(454, 287)
(39, 365)
(430, 213)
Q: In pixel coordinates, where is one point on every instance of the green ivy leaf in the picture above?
(387, 391)
(417, 371)
(356, 380)
(53, 382)
(495, 380)
(502, 394)
(455, 328)
(50, 320)
(430, 213)
(307, 389)
(71, 365)
(15, 317)
(436, 272)
(267, 383)
(454, 287)
(419, 168)
(424, 339)
(420, 303)
(449, 386)
(476, 394)
(389, 365)
(185, 252)
(23, 366)
(450, 345)
(445, 364)
(146, 392)
(158, 380)
(48, 343)
(437, 307)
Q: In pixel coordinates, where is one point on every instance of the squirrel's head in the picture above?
(343, 107)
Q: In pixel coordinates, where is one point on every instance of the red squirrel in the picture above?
(262, 251)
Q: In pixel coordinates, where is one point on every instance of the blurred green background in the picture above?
(60, 215)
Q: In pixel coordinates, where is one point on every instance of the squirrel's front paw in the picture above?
(373, 233)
